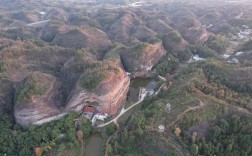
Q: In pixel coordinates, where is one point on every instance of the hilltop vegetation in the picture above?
(32, 86)
(61, 56)
(37, 140)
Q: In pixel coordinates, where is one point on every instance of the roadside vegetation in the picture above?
(196, 104)
(38, 140)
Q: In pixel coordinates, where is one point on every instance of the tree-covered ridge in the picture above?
(230, 136)
(96, 73)
(246, 46)
(16, 140)
(167, 65)
(233, 77)
(217, 43)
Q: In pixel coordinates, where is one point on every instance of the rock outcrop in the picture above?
(189, 26)
(40, 97)
(140, 58)
(28, 17)
(54, 27)
(173, 41)
(105, 86)
(129, 25)
(86, 37)
(192, 31)
(34, 99)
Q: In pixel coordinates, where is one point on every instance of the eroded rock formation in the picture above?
(140, 59)
(34, 99)
(109, 94)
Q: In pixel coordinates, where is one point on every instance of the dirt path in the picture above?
(240, 109)
(123, 111)
(82, 149)
(178, 117)
(110, 137)
(120, 114)
(240, 15)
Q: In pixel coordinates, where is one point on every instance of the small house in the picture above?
(89, 111)
(225, 56)
(239, 53)
(197, 58)
(161, 128)
(150, 88)
(101, 116)
(233, 61)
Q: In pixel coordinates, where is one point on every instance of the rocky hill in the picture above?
(106, 86)
(140, 59)
(90, 50)
(84, 60)
(26, 17)
(85, 37)
(34, 99)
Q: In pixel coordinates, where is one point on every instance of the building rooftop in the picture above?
(151, 85)
(89, 109)
(161, 128)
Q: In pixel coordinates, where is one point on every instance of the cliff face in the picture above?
(34, 99)
(129, 25)
(26, 17)
(173, 41)
(140, 59)
(39, 96)
(109, 94)
(6, 90)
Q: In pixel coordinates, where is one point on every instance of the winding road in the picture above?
(120, 114)
(125, 110)
(34, 24)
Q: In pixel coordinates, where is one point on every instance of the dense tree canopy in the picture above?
(15, 140)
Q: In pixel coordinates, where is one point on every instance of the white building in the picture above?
(197, 58)
(239, 53)
(233, 61)
(161, 128)
(225, 56)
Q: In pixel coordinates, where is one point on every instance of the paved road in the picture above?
(160, 88)
(39, 23)
(121, 113)
(34, 24)
(125, 110)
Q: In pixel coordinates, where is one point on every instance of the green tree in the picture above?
(194, 149)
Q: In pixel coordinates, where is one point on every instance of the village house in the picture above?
(161, 128)
(233, 61)
(150, 88)
(89, 112)
(148, 91)
(197, 58)
(93, 114)
(100, 117)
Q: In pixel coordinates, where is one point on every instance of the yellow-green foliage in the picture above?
(91, 79)
(114, 53)
(28, 89)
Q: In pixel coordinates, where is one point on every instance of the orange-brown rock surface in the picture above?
(86, 37)
(34, 100)
(109, 94)
(140, 58)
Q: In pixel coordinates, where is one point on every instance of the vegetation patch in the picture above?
(32, 86)
(246, 46)
(231, 135)
(38, 140)
(168, 64)
(91, 79)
